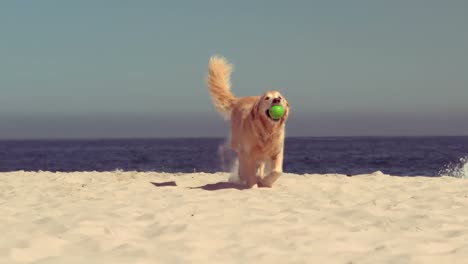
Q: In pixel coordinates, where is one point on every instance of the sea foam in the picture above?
(457, 169)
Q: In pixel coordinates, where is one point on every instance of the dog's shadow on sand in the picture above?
(220, 186)
(164, 184)
(207, 187)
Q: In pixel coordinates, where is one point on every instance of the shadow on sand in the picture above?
(164, 184)
(207, 187)
(220, 186)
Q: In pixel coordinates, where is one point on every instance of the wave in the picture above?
(457, 169)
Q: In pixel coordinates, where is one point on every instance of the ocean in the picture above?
(407, 156)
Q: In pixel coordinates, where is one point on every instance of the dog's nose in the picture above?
(276, 101)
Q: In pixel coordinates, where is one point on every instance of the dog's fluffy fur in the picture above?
(257, 138)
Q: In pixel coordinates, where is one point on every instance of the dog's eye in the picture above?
(279, 97)
(267, 98)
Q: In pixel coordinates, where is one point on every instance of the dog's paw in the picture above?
(267, 182)
(263, 185)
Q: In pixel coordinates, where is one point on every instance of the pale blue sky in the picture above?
(137, 68)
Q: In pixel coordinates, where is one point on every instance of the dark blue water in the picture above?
(347, 155)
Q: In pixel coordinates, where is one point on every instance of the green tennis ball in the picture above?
(276, 111)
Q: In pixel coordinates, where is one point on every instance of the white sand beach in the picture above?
(132, 217)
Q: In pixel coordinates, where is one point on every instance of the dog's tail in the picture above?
(219, 85)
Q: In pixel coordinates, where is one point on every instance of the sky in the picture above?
(107, 69)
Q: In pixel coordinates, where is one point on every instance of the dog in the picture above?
(256, 137)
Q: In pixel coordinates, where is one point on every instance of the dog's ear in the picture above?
(286, 113)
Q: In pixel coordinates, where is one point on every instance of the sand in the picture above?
(132, 217)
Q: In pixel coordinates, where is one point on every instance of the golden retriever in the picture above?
(255, 136)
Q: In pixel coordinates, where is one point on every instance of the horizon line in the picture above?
(217, 137)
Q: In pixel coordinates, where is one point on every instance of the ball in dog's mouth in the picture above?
(275, 112)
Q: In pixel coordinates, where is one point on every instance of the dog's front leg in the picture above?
(247, 170)
(260, 170)
(277, 170)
